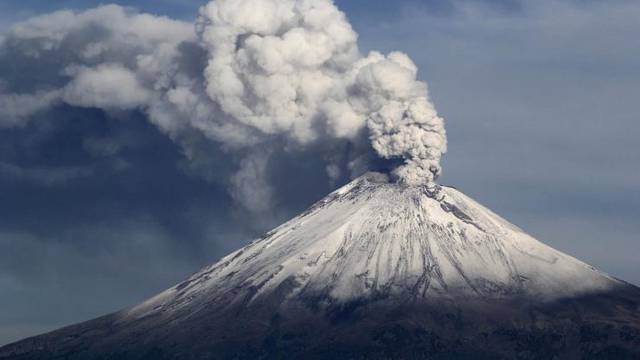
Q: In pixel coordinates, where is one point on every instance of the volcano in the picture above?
(375, 270)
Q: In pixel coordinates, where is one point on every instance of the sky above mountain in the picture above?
(101, 210)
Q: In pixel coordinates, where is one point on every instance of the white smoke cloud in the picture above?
(116, 31)
(402, 122)
(295, 68)
(251, 74)
(274, 63)
(105, 86)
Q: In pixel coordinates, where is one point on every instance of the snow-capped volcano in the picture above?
(373, 239)
(374, 270)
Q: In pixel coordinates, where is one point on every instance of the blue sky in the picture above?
(540, 103)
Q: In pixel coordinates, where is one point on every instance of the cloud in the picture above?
(289, 78)
(296, 70)
(91, 59)
(405, 124)
(107, 86)
(249, 184)
(15, 109)
(116, 32)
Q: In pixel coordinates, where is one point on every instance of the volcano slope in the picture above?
(376, 270)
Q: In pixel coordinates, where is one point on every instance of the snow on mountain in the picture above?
(377, 239)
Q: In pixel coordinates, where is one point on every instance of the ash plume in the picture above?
(281, 75)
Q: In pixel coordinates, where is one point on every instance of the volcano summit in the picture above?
(374, 270)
